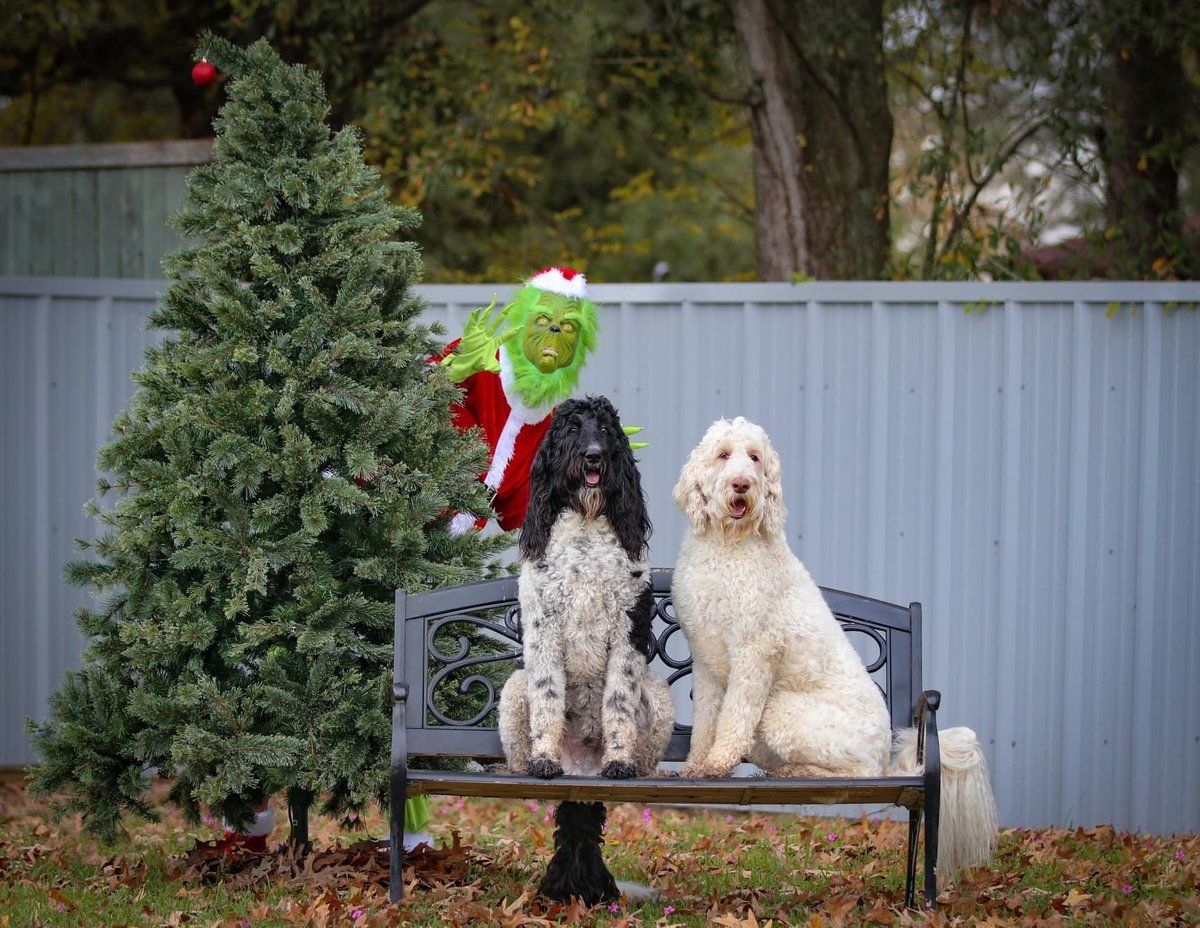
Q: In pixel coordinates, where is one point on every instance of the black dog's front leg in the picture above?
(622, 687)
(547, 692)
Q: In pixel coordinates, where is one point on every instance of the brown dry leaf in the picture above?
(735, 921)
(59, 896)
(838, 909)
(1076, 898)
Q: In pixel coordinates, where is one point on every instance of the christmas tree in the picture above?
(287, 462)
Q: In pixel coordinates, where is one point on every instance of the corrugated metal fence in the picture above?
(1027, 470)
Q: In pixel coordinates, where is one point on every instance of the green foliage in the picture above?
(612, 136)
(557, 131)
(287, 461)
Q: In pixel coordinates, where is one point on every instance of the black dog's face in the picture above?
(585, 463)
(588, 442)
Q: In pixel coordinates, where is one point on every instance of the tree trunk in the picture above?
(299, 801)
(822, 135)
(1141, 143)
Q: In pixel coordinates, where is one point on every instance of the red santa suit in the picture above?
(513, 432)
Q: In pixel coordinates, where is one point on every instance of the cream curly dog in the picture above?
(775, 679)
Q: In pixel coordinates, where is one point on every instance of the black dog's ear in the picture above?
(624, 501)
(543, 505)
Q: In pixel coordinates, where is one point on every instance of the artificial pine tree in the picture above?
(287, 461)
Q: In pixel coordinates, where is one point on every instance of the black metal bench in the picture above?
(420, 727)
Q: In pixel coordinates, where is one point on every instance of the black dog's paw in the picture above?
(542, 766)
(618, 770)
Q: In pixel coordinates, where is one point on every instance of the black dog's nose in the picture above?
(741, 486)
(592, 454)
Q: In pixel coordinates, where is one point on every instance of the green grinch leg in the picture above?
(416, 822)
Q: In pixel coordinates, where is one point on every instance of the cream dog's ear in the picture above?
(689, 493)
(774, 512)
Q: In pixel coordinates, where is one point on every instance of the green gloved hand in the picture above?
(633, 430)
(477, 350)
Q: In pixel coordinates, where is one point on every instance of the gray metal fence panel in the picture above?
(1027, 470)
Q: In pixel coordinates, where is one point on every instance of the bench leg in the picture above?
(910, 868)
(932, 809)
(399, 797)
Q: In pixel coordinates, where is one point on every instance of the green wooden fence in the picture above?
(92, 210)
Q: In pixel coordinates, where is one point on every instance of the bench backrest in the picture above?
(435, 660)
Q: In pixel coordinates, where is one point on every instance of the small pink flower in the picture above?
(668, 910)
(832, 836)
(459, 803)
(1126, 889)
(1179, 855)
(58, 906)
(728, 819)
(546, 818)
(444, 809)
(614, 907)
(549, 810)
(645, 815)
(356, 914)
(772, 829)
(353, 816)
(533, 807)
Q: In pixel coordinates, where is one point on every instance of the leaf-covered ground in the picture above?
(718, 868)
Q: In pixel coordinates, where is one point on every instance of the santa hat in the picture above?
(560, 280)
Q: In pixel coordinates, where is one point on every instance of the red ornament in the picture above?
(203, 73)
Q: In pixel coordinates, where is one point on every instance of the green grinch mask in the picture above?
(551, 333)
(547, 342)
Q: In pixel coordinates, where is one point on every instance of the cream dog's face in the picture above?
(731, 481)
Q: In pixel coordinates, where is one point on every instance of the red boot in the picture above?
(256, 843)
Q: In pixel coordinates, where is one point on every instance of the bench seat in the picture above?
(898, 791)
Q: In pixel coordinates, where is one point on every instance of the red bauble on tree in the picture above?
(203, 73)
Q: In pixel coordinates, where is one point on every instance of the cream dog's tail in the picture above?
(967, 830)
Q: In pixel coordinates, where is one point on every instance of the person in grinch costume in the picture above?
(513, 378)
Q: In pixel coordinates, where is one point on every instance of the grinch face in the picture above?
(551, 333)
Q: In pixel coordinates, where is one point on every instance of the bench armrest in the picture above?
(928, 748)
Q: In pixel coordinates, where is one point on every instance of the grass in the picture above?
(719, 868)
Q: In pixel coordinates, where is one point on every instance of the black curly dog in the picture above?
(585, 698)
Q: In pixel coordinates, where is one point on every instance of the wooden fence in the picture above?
(92, 210)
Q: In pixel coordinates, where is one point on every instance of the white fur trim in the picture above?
(264, 823)
(553, 281)
(462, 523)
(519, 416)
(505, 447)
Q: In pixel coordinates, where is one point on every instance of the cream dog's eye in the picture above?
(754, 458)
(724, 455)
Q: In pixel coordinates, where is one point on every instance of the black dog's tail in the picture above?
(577, 868)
